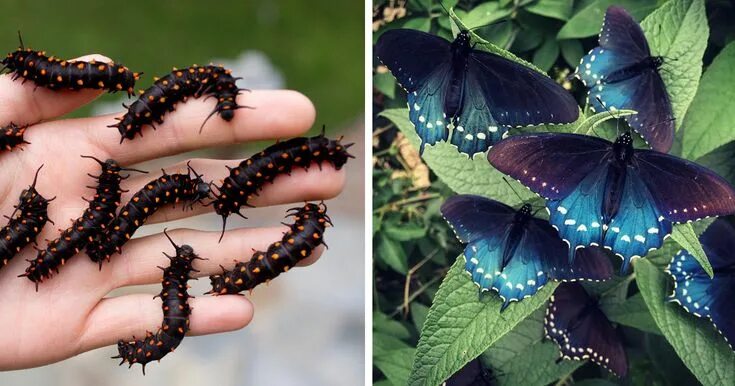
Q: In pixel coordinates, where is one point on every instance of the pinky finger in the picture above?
(132, 315)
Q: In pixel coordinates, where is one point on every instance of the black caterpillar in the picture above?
(176, 312)
(166, 92)
(11, 136)
(167, 189)
(251, 175)
(26, 222)
(58, 74)
(305, 234)
(94, 221)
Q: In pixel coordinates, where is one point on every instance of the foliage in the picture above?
(551, 36)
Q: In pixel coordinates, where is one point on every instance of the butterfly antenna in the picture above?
(617, 119)
(441, 3)
(513, 189)
(492, 23)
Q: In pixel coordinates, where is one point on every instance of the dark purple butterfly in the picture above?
(575, 322)
(622, 74)
(608, 194)
(514, 253)
(696, 292)
(478, 94)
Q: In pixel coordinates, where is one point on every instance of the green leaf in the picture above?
(419, 312)
(391, 253)
(557, 9)
(698, 344)
(461, 174)
(589, 124)
(720, 161)
(386, 84)
(633, 312)
(685, 236)
(382, 323)
(384, 343)
(396, 365)
(404, 231)
(521, 357)
(459, 327)
(588, 21)
(546, 55)
(571, 51)
(419, 23)
(678, 31)
(712, 108)
(485, 14)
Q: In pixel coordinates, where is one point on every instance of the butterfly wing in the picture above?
(483, 224)
(582, 331)
(421, 63)
(683, 191)
(502, 94)
(696, 292)
(646, 94)
(617, 78)
(552, 251)
(472, 217)
(550, 164)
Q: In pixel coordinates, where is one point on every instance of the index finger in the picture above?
(274, 114)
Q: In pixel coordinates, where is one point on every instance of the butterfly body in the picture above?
(609, 194)
(511, 251)
(477, 94)
(623, 74)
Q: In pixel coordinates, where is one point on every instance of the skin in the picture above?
(72, 313)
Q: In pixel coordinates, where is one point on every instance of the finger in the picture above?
(301, 185)
(275, 114)
(132, 315)
(23, 102)
(138, 262)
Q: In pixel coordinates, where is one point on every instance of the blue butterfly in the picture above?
(512, 252)
(608, 194)
(696, 292)
(622, 74)
(575, 322)
(478, 94)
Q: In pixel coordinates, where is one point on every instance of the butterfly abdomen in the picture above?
(176, 87)
(57, 74)
(168, 189)
(305, 234)
(176, 312)
(249, 177)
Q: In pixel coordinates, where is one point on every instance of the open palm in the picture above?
(70, 313)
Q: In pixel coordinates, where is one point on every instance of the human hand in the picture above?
(70, 313)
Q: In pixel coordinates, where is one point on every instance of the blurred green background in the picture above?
(317, 45)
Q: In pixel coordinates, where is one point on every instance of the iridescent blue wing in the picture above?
(550, 164)
(639, 226)
(646, 94)
(582, 331)
(471, 217)
(502, 94)
(683, 191)
(421, 63)
(696, 292)
(617, 73)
